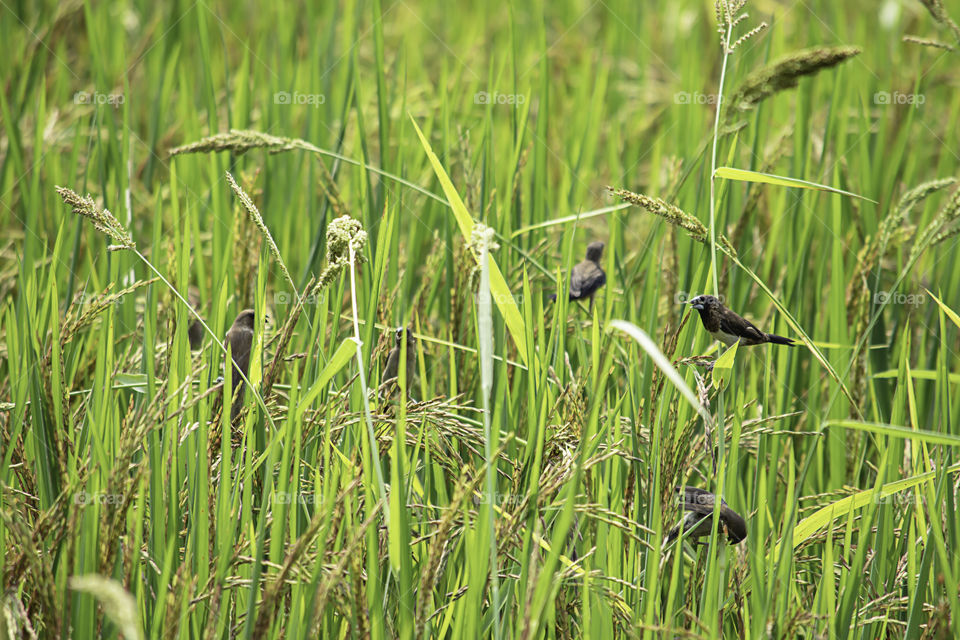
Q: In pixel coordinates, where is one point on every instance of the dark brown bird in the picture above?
(727, 327)
(698, 505)
(588, 276)
(195, 330)
(392, 370)
(240, 340)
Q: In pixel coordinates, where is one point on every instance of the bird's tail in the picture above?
(553, 297)
(775, 339)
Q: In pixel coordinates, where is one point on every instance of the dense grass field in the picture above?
(348, 168)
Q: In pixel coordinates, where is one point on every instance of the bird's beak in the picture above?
(698, 306)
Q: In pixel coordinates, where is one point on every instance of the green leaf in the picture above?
(723, 367)
(574, 218)
(843, 507)
(917, 374)
(498, 286)
(662, 361)
(896, 432)
(134, 381)
(947, 310)
(340, 358)
(743, 175)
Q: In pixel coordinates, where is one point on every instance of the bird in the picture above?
(727, 327)
(587, 276)
(392, 370)
(195, 329)
(240, 339)
(699, 505)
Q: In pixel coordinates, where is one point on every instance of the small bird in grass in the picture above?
(392, 370)
(195, 329)
(698, 505)
(727, 327)
(588, 276)
(240, 340)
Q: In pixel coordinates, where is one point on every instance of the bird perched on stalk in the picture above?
(392, 370)
(698, 505)
(195, 329)
(588, 276)
(727, 327)
(240, 340)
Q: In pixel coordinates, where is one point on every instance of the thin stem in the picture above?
(713, 163)
(381, 487)
(485, 322)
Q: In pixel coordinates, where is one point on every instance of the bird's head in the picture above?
(595, 251)
(411, 341)
(701, 303)
(245, 319)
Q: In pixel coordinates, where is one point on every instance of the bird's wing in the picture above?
(240, 341)
(393, 360)
(733, 324)
(698, 500)
(701, 502)
(586, 278)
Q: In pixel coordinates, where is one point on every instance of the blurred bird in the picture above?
(195, 330)
(392, 370)
(727, 327)
(240, 339)
(588, 276)
(697, 523)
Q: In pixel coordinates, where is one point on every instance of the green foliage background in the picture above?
(114, 457)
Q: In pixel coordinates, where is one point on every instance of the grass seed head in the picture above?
(102, 219)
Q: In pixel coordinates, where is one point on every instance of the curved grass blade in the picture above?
(502, 294)
(841, 508)
(744, 175)
(340, 358)
(930, 437)
(661, 360)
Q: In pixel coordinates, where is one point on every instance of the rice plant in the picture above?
(411, 183)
